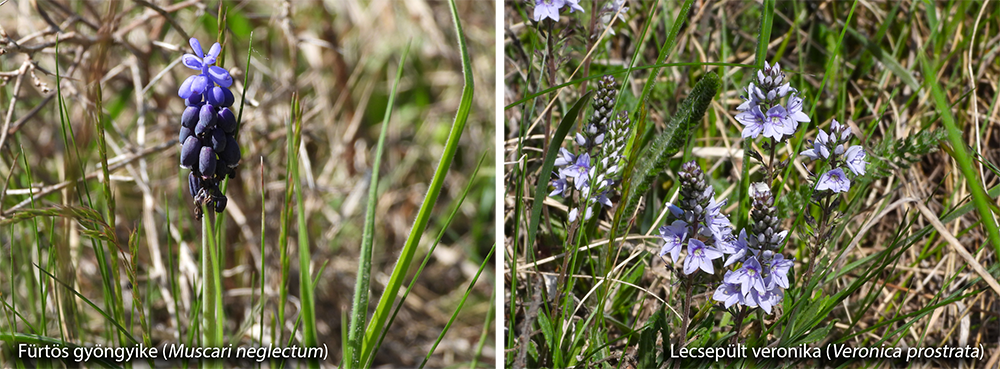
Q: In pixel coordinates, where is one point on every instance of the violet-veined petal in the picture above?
(191, 61)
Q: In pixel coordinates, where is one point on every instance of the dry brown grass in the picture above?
(862, 90)
(335, 54)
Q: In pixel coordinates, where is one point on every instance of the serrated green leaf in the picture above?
(654, 159)
(815, 336)
(545, 325)
(647, 340)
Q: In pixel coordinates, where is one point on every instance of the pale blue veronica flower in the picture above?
(700, 256)
(855, 159)
(673, 239)
(834, 180)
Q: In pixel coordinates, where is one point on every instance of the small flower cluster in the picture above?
(550, 8)
(607, 12)
(762, 272)
(762, 112)
(595, 177)
(698, 223)
(759, 274)
(833, 147)
(208, 127)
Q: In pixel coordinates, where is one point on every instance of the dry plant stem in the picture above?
(770, 164)
(740, 316)
(590, 43)
(686, 318)
(818, 239)
(114, 164)
(551, 64)
(13, 100)
(573, 234)
(166, 15)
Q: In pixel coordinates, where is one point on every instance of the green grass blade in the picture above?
(48, 341)
(306, 289)
(979, 196)
(486, 329)
(437, 241)
(668, 44)
(424, 213)
(290, 152)
(359, 308)
(121, 330)
(764, 34)
(577, 81)
(212, 315)
(541, 190)
(671, 39)
(454, 315)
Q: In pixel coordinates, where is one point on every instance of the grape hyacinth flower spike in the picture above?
(208, 128)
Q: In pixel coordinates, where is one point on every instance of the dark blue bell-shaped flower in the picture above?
(218, 139)
(193, 100)
(190, 152)
(194, 183)
(183, 135)
(206, 116)
(216, 96)
(190, 116)
(227, 121)
(206, 162)
(220, 204)
(232, 153)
